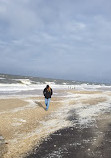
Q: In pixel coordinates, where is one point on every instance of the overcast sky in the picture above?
(69, 39)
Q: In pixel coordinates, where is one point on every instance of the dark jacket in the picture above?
(47, 93)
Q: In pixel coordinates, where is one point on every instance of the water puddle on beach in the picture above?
(86, 132)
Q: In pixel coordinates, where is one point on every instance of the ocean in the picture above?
(17, 85)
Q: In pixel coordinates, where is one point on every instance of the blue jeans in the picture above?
(47, 101)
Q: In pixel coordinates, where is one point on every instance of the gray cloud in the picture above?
(62, 39)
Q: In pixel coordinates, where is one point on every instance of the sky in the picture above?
(64, 39)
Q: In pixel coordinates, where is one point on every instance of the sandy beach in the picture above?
(25, 123)
(19, 118)
(58, 49)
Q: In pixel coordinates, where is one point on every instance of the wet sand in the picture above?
(77, 142)
(25, 133)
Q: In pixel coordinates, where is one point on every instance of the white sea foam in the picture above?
(50, 83)
(24, 81)
(18, 122)
(14, 88)
(86, 114)
(26, 85)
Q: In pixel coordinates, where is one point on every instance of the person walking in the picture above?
(47, 94)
